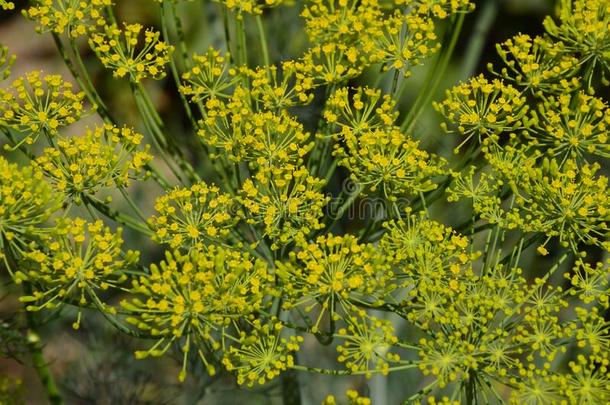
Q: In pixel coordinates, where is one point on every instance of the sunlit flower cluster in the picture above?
(194, 217)
(126, 54)
(26, 203)
(76, 17)
(79, 261)
(104, 157)
(287, 202)
(200, 296)
(38, 104)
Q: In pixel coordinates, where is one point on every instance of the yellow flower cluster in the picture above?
(7, 5)
(37, 104)
(262, 139)
(286, 201)
(201, 297)
(211, 77)
(365, 344)
(353, 399)
(195, 217)
(104, 157)
(483, 108)
(119, 51)
(262, 356)
(537, 65)
(572, 126)
(365, 110)
(403, 41)
(254, 7)
(389, 162)
(426, 251)
(377, 154)
(397, 34)
(590, 282)
(76, 262)
(275, 91)
(332, 274)
(26, 202)
(570, 203)
(582, 28)
(77, 17)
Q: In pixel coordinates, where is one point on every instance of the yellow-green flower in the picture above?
(195, 217)
(76, 17)
(37, 104)
(538, 65)
(572, 126)
(26, 202)
(332, 274)
(203, 299)
(77, 262)
(212, 76)
(126, 54)
(485, 109)
(102, 158)
(262, 356)
(286, 201)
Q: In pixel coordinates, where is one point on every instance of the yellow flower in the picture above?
(76, 17)
(124, 52)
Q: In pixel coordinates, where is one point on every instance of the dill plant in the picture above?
(261, 263)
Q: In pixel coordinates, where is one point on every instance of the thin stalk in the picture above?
(240, 33)
(436, 75)
(172, 63)
(103, 110)
(89, 92)
(263, 42)
(476, 43)
(41, 366)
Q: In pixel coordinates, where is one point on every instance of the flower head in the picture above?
(119, 51)
(26, 202)
(104, 157)
(331, 271)
(484, 109)
(286, 201)
(37, 104)
(195, 217)
(211, 77)
(201, 296)
(76, 17)
(572, 126)
(77, 262)
(538, 65)
(262, 355)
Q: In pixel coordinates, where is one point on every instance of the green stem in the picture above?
(436, 75)
(477, 40)
(172, 63)
(240, 33)
(263, 42)
(90, 92)
(42, 368)
(38, 361)
(102, 109)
